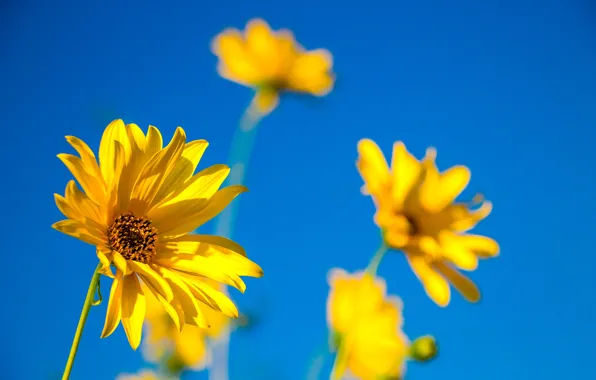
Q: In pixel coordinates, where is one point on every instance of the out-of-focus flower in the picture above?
(143, 375)
(271, 62)
(352, 297)
(188, 348)
(367, 326)
(137, 207)
(417, 212)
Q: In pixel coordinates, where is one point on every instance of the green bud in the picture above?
(424, 349)
(244, 321)
(174, 365)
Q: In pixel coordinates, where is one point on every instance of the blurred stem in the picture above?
(89, 300)
(240, 152)
(340, 362)
(373, 266)
(316, 365)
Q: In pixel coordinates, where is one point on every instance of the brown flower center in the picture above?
(412, 226)
(133, 237)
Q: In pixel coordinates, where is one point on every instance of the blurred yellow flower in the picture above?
(188, 347)
(417, 212)
(137, 207)
(367, 325)
(271, 62)
(143, 375)
(352, 297)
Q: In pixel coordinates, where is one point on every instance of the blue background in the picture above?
(507, 87)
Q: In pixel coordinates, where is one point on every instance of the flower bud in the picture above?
(174, 365)
(424, 349)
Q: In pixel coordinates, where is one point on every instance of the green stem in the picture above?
(240, 152)
(89, 300)
(376, 260)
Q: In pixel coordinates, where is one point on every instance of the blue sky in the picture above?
(505, 87)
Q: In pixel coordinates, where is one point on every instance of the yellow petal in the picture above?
(142, 149)
(173, 308)
(79, 231)
(137, 139)
(455, 250)
(110, 206)
(464, 219)
(114, 132)
(184, 168)
(188, 302)
(92, 186)
(66, 209)
(210, 296)
(133, 310)
(201, 186)
(87, 156)
(220, 241)
(105, 260)
(311, 73)
(197, 213)
(201, 266)
(114, 311)
(220, 252)
(262, 46)
(88, 209)
(235, 64)
(435, 286)
(372, 167)
(482, 246)
(148, 275)
(154, 173)
(443, 192)
(406, 170)
(460, 282)
(120, 263)
(154, 141)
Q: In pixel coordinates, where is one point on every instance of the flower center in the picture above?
(133, 237)
(412, 225)
(404, 223)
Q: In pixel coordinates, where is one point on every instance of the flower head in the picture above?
(138, 206)
(188, 348)
(351, 298)
(271, 62)
(418, 214)
(367, 325)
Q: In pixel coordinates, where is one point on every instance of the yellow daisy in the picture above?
(271, 62)
(378, 347)
(189, 347)
(352, 297)
(138, 206)
(367, 327)
(417, 212)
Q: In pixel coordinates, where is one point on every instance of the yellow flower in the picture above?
(143, 375)
(137, 207)
(352, 297)
(190, 346)
(367, 325)
(378, 349)
(417, 212)
(271, 62)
